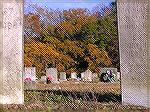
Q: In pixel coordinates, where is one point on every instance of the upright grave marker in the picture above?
(95, 77)
(11, 52)
(134, 38)
(74, 75)
(62, 76)
(43, 79)
(29, 78)
(30, 72)
(88, 75)
(52, 72)
(82, 76)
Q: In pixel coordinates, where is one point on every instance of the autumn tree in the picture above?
(72, 40)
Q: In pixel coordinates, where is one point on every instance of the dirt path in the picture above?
(78, 86)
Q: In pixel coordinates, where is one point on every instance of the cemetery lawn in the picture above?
(45, 101)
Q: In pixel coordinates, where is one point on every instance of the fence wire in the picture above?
(71, 40)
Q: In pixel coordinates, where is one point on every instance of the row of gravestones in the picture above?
(52, 75)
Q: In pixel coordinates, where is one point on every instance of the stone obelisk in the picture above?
(134, 44)
(11, 52)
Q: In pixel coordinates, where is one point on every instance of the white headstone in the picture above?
(74, 75)
(30, 72)
(52, 72)
(43, 79)
(94, 75)
(134, 38)
(88, 75)
(63, 76)
(11, 52)
(82, 75)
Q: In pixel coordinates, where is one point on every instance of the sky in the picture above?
(65, 4)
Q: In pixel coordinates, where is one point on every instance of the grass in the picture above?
(101, 98)
(36, 101)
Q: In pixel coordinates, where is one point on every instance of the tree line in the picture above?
(71, 40)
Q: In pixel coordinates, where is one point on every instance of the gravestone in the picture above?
(94, 75)
(52, 72)
(88, 75)
(30, 72)
(95, 78)
(134, 38)
(74, 75)
(62, 76)
(11, 52)
(43, 79)
(29, 78)
(82, 76)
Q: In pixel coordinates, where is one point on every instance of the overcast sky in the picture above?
(66, 4)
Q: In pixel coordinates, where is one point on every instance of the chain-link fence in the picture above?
(77, 42)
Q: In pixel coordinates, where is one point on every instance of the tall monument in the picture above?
(134, 44)
(11, 52)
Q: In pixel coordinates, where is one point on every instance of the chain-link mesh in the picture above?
(71, 40)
